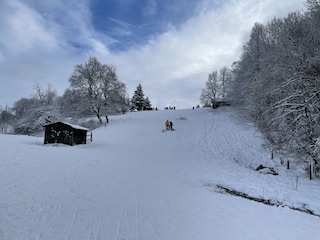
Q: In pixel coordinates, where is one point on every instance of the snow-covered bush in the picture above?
(35, 120)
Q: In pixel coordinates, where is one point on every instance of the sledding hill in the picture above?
(135, 181)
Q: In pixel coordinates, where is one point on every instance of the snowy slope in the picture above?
(136, 182)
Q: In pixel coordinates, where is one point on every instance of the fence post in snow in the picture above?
(310, 171)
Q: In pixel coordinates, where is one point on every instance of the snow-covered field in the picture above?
(136, 182)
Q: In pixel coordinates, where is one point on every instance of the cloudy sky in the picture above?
(169, 46)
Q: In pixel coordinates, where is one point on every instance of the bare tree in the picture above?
(6, 120)
(225, 80)
(278, 80)
(210, 92)
(45, 96)
(98, 86)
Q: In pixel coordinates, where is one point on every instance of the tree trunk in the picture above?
(97, 110)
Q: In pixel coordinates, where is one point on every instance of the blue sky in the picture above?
(133, 22)
(169, 46)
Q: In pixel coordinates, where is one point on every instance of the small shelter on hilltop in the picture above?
(62, 132)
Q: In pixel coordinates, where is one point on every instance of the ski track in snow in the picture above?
(136, 182)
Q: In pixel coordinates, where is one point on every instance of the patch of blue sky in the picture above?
(79, 45)
(134, 22)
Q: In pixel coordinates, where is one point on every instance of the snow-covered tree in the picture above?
(138, 101)
(147, 104)
(98, 86)
(296, 112)
(6, 120)
(31, 115)
(45, 96)
(211, 91)
(277, 79)
(217, 87)
(225, 78)
(75, 103)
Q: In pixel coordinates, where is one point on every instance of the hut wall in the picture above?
(79, 136)
(58, 133)
(64, 133)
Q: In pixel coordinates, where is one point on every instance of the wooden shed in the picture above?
(62, 132)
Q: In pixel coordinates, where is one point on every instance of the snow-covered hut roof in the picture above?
(71, 125)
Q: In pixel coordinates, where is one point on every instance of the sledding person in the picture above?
(167, 125)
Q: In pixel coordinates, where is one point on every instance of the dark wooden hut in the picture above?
(62, 132)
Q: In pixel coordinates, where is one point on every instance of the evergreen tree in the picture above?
(147, 104)
(138, 100)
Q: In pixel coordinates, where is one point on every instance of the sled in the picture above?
(163, 130)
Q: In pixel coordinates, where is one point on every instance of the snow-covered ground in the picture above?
(136, 182)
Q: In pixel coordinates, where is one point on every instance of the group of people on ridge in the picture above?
(169, 125)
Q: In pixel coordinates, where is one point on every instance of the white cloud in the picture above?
(176, 64)
(22, 29)
(123, 29)
(172, 67)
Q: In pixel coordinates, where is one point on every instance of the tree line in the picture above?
(95, 90)
(276, 82)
